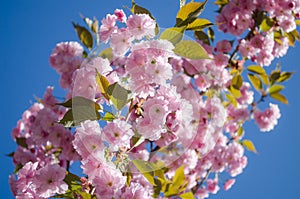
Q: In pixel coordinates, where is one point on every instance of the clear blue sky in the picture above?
(29, 31)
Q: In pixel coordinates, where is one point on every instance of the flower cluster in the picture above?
(148, 121)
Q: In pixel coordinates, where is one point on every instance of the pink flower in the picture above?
(246, 94)
(49, 181)
(66, 58)
(120, 42)
(108, 182)
(267, 119)
(141, 25)
(223, 46)
(88, 140)
(120, 15)
(26, 177)
(118, 133)
(152, 124)
(136, 190)
(228, 184)
(212, 186)
(108, 27)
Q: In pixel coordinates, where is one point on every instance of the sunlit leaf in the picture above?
(231, 99)
(237, 81)
(235, 92)
(240, 131)
(106, 53)
(284, 76)
(266, 24)
(188, 13)
(211, 34)
(199, 24)
(202, 36)
(256, 69)
(128, 179)
(248, 144)
(174, 35)
(190, 49)
(179, 177)
(108, 117)
(80, 101)
(81, 109)
(136, 141)
(275, 75)
(118, 95)
(255, 81)
(187, 195)
(276, 88)
(84, 35)
(279, 97)
(145, 168)
(103, 84)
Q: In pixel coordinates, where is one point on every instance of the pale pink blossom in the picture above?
(228, 184)
(107, 27)
(49, 181)
(266, 120)
(121, 16)
(141, 25)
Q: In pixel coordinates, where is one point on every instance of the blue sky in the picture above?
(29, 31)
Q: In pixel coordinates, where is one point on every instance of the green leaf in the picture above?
(103, 84)
(276, 88)
(80, 101)
(84, 35)
(118, 95)
(70, 177)
(231, 99)
(179, 177)
(265, 79)
(279, 97)
(275, 75)
(199, 24)
(189, 13)
(81, 109)
(237, 81)
(178, 184)
(297, 22)
(255, 81)
(136, 141)
(202, 36)
(211, 34)
(22, 142)
(145, 168)
(266, 24)
(174, 35)
(256, 69)
(106, 53)
(128, 179)
(190, 49)
(10, 154)
(108, 117)
(240, 131)
(136, 9)
(235, 92)
(18, 167)
(187, 195)
(249, 145)
(284, 76)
